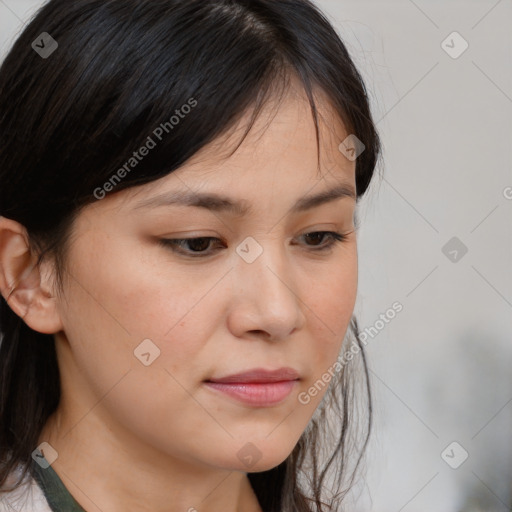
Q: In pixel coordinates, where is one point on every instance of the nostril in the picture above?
(259, 333)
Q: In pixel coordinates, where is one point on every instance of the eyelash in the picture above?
(176, 244)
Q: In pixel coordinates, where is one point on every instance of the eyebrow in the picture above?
(223, 203)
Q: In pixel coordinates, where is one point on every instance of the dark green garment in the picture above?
(56, 494)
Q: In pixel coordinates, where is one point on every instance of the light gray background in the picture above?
(441, 367)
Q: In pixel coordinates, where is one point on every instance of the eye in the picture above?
(199, 247)
(332, 236)
(196, 245)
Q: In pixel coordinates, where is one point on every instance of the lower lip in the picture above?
(263, 394)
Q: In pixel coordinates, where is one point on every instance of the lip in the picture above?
(257, 387)
(256, 394)
(259, 375)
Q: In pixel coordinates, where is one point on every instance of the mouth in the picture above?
(257, 394)
(257, 387)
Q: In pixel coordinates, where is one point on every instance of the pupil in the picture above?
(197, 241)
(315, 235)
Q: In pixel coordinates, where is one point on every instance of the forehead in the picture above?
(278, 156)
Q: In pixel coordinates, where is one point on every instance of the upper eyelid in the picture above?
(209, 237)
(334, 236)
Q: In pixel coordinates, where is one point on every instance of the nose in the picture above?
(266, 296)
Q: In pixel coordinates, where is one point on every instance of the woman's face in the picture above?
(146, 323)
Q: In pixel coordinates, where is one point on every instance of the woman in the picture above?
(178, 257)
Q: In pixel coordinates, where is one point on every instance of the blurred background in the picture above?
(436, 236)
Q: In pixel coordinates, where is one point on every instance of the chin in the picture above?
(251, 459)
(260, 467)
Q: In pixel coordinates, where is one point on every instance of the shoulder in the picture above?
(28, 497)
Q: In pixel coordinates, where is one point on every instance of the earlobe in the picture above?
(22, 285)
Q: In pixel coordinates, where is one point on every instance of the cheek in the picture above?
(330, 296)
(330, 304)
(116, 302)
(118, 298)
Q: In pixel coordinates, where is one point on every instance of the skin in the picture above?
(131, 437)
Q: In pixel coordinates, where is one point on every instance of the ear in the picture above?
(26, 288)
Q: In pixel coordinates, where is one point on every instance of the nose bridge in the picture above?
(264, 262)
(265, 282)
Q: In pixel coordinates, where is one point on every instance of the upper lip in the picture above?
(260, 375)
